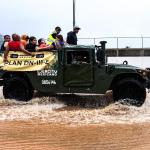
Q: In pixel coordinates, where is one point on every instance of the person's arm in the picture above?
(57, 44)
(6, 53)
(25, 51)
(50, 47)
(6, 44)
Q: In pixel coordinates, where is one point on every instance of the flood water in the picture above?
(48, 123)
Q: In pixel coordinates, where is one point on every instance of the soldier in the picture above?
(57, 29)
(51, 40)
(72, 37)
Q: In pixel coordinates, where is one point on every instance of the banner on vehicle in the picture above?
(18, 61)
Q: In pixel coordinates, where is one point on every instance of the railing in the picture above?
(119, 42)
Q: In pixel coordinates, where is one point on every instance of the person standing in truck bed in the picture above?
(59, 41)
(51, 40)
(72, 37)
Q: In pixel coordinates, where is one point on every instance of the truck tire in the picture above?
(17, 88)
(130, 91)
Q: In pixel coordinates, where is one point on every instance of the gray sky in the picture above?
(97, 18)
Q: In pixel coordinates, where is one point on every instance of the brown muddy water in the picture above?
(47, 123)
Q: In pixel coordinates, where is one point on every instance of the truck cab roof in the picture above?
(79, 47)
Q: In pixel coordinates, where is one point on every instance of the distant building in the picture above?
(1, 39)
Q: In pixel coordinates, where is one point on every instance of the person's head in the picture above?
(41, 41)
(15, 37)
(76, 29)
(57, 29)
(7, 38)
(60, 38)
(32, 40)
(24, 37)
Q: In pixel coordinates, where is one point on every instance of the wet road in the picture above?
(47, 123)
(34, 135)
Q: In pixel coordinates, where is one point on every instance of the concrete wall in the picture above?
(113, 52)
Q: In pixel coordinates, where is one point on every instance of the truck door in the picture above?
(78, 69)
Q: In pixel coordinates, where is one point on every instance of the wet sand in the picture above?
(27, 135)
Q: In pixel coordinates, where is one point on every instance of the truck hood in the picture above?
(123, 66)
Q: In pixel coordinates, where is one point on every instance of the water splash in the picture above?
(52, 110)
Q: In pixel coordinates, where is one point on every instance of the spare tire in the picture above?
(17, 88)
(131, 91)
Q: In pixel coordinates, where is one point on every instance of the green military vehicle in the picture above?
(73, 69)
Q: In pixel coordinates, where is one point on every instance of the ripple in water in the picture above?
(52, 110)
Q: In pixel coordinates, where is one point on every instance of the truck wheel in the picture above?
(17, 88)
(130, 91)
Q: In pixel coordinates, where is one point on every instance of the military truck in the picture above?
(72, 69)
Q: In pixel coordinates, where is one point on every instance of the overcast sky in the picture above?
(97, 18)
